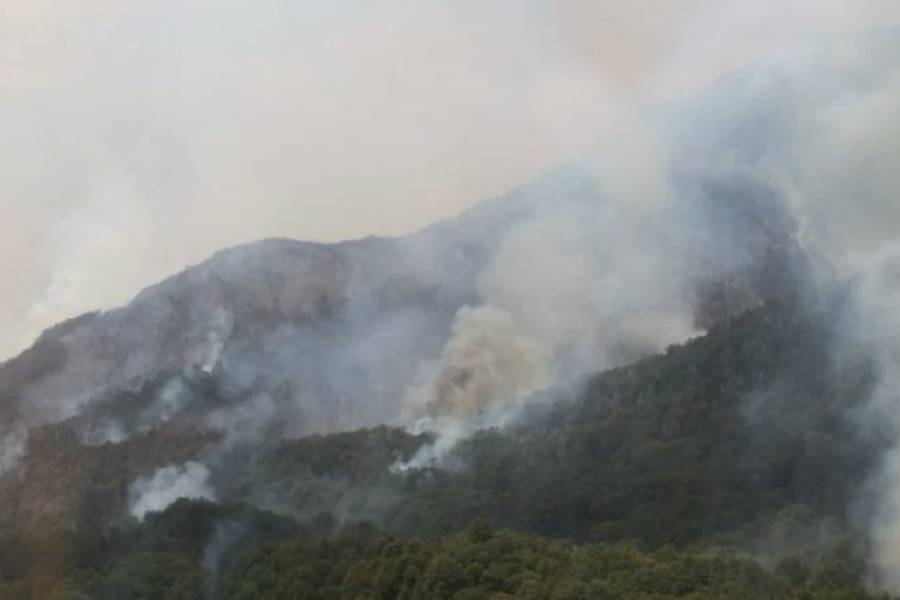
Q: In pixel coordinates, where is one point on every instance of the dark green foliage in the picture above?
(149, 576)
(711, 441)
(178, 554)
(357, 456)
(480, 564)
(653, 482)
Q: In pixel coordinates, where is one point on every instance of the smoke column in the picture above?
(143, 136)
(168, 484)
(139, 139)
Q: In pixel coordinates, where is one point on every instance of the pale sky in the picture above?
(142, 136)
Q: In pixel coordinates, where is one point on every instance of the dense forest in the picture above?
(183, 553)
(722, 468)
(664, 363)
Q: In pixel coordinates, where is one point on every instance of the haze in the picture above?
(140, 137)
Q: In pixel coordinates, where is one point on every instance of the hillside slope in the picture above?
(736, 439)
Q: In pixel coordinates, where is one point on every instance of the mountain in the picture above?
(211, 381)
(658, 386)
(299, 328)
(733, 445)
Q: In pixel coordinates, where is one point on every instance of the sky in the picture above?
(142, 136)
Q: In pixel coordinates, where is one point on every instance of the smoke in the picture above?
(580, 277)
(877, 294)
(573, 287)
(819, 128)
(12, 449)
(101, 252)
(168, 484)
(242, 121)
(143, 137)
(139, 139)
(486, 370)
(485, 363)
(388, 120)
(807, 142)
(845, 191)
(226, 536)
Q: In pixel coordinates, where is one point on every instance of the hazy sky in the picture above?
(140, 136)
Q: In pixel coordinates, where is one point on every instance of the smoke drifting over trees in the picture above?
(168, 485)
(775, 186)
(143, 137)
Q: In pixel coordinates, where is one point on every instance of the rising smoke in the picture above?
(143, 136)
(604, 270)
(814, 136)
(168, 484)
(820, 131)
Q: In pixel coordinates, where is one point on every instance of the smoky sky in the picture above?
(140, 137)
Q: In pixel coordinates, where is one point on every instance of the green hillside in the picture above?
(723, 468)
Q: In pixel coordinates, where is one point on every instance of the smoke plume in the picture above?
(140, 139)
(824, 141)
(143, 136)
(485, 364)
(12, 449)
(168, 484)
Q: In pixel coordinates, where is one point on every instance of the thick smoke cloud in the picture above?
(569, 289)
(143, 136)
(820, 131)
(132, 151)
(810, 136)
(485, 363)
(168, 484)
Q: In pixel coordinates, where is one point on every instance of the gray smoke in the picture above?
(799, 152)
(168, 484)
(570, 288)
(226, 536)
(820, 132)
(12, 449)
(457, 327)
(143, 136)
(877, 300)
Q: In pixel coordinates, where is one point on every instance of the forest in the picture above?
(722, 468)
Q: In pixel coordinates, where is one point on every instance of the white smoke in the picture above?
(12, 450)
(249, 420)
(169, 403)
(168, 484)
(829, 125)
(316, 120)
(485, 364)
(101, 248)
(486, 370)
(597, 285)
(216, 337)
(593, 278)
(877, 312)
(209, 127)
(846, 191)
(598, 282)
